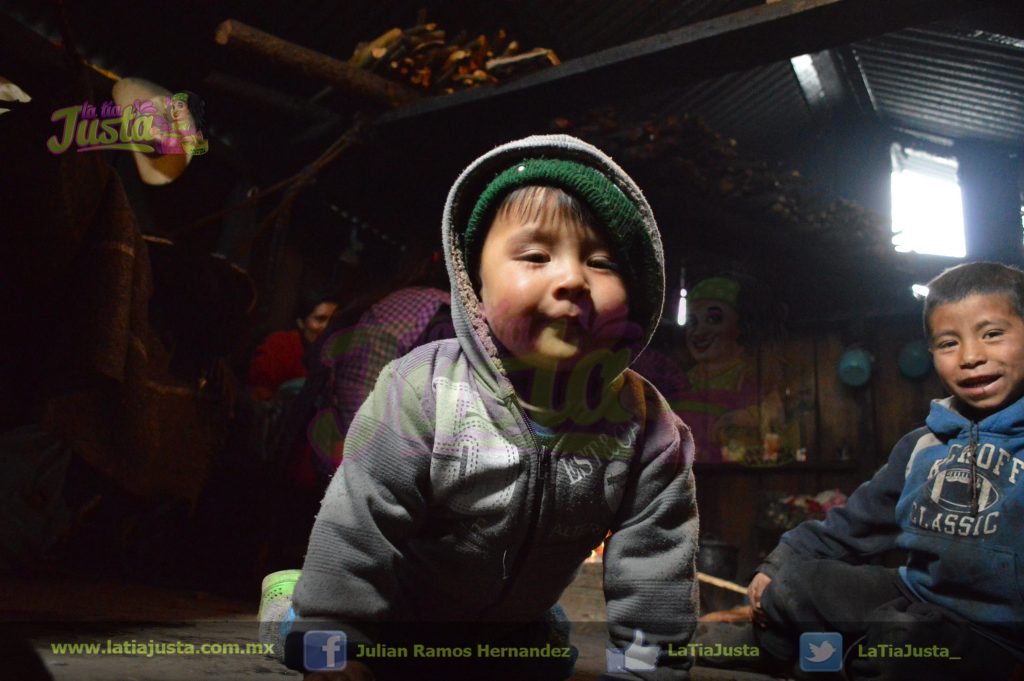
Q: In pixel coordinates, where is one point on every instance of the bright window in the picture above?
(927, 210)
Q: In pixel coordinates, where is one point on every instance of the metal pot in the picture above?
(718, 559)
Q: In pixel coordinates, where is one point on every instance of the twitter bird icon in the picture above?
(821, 651)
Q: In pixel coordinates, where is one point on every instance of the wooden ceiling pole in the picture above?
(312, 64)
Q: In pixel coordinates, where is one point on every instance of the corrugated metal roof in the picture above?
(944, 82)
(756, 104)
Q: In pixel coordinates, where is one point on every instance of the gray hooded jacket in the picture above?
(449, 508)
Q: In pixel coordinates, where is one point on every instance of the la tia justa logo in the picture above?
(113, 127)
(165, 125)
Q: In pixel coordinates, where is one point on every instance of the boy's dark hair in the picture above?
(957, 283)
(531, 202)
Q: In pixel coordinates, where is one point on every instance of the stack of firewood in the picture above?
(422, 56)
(698, 156)
(684, 149)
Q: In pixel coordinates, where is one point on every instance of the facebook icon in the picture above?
(324, 650)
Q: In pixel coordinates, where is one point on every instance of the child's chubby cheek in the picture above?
(513, 326)
(611, 324)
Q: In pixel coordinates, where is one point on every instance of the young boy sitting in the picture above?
(951, 496)
(483, 470)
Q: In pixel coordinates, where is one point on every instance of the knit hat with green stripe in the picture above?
(620, 220)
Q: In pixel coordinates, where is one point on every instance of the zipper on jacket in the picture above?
(508, 573)
(972, 449)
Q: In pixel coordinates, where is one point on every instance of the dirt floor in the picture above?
(54, 611)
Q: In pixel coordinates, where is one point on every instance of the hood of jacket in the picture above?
(471, 327)
(948, 423)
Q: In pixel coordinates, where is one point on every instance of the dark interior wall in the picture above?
(848, 432)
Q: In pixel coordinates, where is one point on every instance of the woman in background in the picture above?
(279, 359)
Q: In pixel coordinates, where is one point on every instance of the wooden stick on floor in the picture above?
(721, 583)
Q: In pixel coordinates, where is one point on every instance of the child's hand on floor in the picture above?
(754, 590)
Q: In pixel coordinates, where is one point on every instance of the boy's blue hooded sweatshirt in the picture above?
(952, 496)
